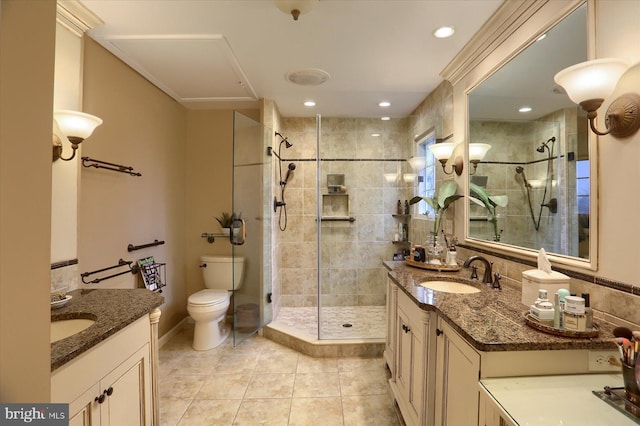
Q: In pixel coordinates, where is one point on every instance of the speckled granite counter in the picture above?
(111, 309)
(491, 320)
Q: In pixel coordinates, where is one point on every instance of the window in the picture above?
(427, 175)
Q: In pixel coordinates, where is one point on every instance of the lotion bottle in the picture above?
(557, 312)
(588, 311)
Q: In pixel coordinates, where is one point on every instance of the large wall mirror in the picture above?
(534, 188)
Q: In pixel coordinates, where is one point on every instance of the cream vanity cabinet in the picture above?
(413, 351)
(110, 384)
(491, 413)
(457, 374)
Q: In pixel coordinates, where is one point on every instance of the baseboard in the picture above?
(171, 333)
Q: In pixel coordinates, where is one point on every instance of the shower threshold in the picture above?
(297, 328)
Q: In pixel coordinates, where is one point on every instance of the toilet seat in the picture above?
(209, 297)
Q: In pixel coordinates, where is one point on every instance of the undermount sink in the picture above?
(62, 329)
(450, 287)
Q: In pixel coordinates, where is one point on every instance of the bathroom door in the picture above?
(252, 234)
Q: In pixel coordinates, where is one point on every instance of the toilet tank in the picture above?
(222, 272)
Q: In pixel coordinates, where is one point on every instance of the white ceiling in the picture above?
(229, 53)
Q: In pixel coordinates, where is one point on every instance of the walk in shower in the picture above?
(341, 224)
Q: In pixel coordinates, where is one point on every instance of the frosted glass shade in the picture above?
(409, 177)
(592, 79)
(442, 151)
(417, 163)
(477, 151)
(76, 124)
(390, 177)
(302, 6)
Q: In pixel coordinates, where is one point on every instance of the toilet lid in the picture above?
(209, 297)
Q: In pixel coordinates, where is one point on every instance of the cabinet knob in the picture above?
(405, 328)
(439, 332)
(100, 399)
(109, 391)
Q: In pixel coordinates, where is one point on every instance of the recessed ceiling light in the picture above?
(375, 135)
(309, 104)
(384, 104)
(444, 32)
(385, 118)
(525, 109)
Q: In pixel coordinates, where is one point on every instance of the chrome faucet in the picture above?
(487, 278)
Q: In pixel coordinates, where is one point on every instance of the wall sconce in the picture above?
(477, 151)
(417, 163)
(442, 152)
(76, 126)
(393, 177)
(589, 83)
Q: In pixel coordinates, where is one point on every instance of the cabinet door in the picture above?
(457, 375)
(83, 411)
(392, 297)
(127, 392)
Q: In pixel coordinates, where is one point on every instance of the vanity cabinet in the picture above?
(390, 342)
(110, 384)
(491, 413)
(412, 380)
(457, 374)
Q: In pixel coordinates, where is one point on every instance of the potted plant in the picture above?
(442, 199)
(227, 221)
(479, 196)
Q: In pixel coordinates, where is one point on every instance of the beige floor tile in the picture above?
(277, 362)
(211, 412)
(171, 411)
(237, 362)
(197, 363)
(316, 411)
(179, 387)
(353, 383)
(310, 385)
(372, 410)
(308, 364)
(361, 364)
(270, 385)
(225, 386)
(268, 412)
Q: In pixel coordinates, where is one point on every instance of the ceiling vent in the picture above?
(308, 77)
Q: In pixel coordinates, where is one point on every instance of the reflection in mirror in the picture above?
(532, 188)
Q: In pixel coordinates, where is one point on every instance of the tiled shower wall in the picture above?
(514, 144)
(351, 252)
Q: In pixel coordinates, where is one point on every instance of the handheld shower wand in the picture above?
(520, 171)
(290, 170)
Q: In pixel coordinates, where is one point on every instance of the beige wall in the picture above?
(27, 35)
(146, 129)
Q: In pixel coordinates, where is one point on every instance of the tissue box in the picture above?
(535, 279)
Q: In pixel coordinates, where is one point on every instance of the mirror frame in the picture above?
(551, 18)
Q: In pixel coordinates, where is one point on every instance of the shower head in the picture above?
(520, 171)
(290, 170)
(284, 140)
(544, 146)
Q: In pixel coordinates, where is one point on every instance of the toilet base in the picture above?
(210, 334)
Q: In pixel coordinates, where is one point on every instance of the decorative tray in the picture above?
(432, 267)
(60, 303)
(532, 322)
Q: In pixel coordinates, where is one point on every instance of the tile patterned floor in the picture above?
(367, 322)
(262, 383)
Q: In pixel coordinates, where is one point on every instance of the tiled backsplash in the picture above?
(614, 301)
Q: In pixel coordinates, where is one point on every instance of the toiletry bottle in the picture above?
(406, 207)
(587, 310)
(399, 207)
(557, 313)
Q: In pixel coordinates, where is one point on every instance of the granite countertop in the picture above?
(111, 309)
(492, 320)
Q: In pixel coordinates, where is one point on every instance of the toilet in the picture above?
(222, 274)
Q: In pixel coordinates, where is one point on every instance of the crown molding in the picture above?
(76, 17)
(507, 19)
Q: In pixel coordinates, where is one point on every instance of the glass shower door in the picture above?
(251, 231)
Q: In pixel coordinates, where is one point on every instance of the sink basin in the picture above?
(64, 328)
(450, 287)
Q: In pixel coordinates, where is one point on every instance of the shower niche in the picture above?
(335, 202)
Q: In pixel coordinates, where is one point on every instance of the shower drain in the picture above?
(347, 325)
